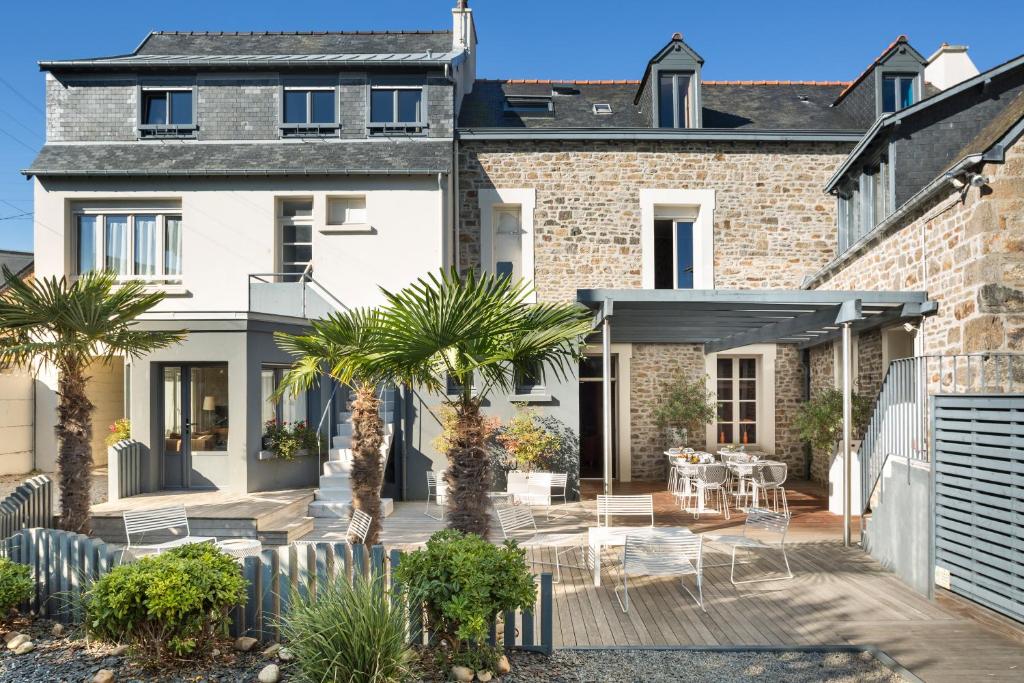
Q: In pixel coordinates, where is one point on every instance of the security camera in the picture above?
(977, 180)
(909, 327)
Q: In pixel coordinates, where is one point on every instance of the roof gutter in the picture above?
(657, 134)
(30, 172)
(894, 220)
(128, 63)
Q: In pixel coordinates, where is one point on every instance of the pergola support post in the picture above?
(606, 398)
(847, 432)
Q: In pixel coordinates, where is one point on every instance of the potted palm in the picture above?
(685, 410)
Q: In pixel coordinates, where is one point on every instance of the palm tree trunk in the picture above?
(468, 474)
(74, 431)
(367, 466)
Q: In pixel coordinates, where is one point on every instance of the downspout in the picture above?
(805, 363)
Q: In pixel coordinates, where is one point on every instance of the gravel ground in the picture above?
(9, 482)
(651, 666)
(72, 660)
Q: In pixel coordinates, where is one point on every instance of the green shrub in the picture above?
(348, 633)
(15, 585)
(820, 420)
(686, 407)
(172, 604)
(287, 439)
(464, 582)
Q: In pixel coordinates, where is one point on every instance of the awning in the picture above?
(723, 319)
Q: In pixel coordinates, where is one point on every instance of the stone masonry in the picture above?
(772, 226)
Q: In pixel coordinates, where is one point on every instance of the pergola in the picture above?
(723, 319)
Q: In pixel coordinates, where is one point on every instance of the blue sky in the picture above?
(567, 39)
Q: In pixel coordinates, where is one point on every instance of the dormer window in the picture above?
(673, 100)
(167, 112)
(897, 92)
(308, 111)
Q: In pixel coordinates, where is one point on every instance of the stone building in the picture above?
(674, 182)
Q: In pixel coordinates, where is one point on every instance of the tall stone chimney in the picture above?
(948, 66)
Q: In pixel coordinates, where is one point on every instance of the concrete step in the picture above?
(335, 479)
(285, 534)
(332, 467)
(334, 493)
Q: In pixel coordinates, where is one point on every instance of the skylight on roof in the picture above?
(602, 108)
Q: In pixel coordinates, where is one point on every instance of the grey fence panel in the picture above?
(127, 475)
(29, 505)
(64, 565)
(979, 498)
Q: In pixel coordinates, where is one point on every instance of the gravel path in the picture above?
(653, 666)
(9, 482)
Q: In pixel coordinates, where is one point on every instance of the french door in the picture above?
(592, 417)
(194, 419)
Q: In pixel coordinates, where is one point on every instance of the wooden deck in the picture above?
(274, 517)
(838, 596)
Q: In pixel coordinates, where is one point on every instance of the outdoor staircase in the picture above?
(334, 497)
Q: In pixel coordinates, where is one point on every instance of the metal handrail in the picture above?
(907, 384)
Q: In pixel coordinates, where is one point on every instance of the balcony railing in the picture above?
(290, 294)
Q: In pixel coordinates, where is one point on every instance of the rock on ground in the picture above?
(271, 673)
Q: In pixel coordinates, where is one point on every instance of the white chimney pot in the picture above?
(948, 66)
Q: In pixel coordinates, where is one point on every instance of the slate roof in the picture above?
(750, 105)
(285, 158)
(992, 133)
(18, 262)
(193, 49)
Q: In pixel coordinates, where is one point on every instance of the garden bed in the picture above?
(71, 658)
(650, 666)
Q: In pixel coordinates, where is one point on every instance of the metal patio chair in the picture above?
(760, 522)
(434, 479)
(713, 481)
(768, 478)
(656, 553)
(517, 521)
(163, 521)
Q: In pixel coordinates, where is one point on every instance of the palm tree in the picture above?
(477, 327)
(341, 345)
(49, 322)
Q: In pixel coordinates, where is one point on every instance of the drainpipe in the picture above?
(805, 363)
(606, 388)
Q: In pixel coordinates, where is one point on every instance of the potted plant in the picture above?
(686, 408)
(119, 430)
(529, 444)
(819, 421)
(288, 440)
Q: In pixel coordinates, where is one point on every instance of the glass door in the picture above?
(194, 419)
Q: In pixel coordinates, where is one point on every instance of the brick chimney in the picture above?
(948, 66)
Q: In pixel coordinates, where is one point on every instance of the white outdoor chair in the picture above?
(166, 520)
(436, 488)
(517, 521)
(358, 528)
(712, 481)
(609, 507)
(769, 477)
(560, 482)
(685, 482)
(662, 554)
(760, 522)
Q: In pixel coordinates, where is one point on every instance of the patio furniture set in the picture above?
(174, 521)
(697, 478)
(627, 521)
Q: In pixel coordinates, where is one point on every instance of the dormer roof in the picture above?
(901, 41)
(677, 44)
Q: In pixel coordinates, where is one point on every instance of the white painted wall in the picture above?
(230, 231)
(948, 66)
(16, 421)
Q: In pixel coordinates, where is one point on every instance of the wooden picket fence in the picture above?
(65, 564)
(29, 505)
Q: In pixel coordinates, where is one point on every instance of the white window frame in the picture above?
(283, 221)
(765, 354)
(525, 200)
(100, 255)
(347, 225)
(656, 204)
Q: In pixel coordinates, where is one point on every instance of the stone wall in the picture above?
(773, 224)
(90, 109)
(972, 265)
(789, 394)
(822, 366)
(869, 364)
(653, 370)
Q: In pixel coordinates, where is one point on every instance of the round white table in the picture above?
(240, 548)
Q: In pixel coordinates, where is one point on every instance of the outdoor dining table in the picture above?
(599, 537)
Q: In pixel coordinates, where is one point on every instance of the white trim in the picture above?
(653, 202)
(623, 428)
(765, 355)
(526, 200)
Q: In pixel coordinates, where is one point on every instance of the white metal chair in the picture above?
(609, 507)
(358, 526)
(657, 553)
(713, 480)
(769, 477)
(560, 482)
(436, 488)
(517, 520)
(685, 482)
(760, 522)
(166, 520)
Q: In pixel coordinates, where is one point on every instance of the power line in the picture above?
(15, 217)
(22, 97)
(35, 133)
(19, 140)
